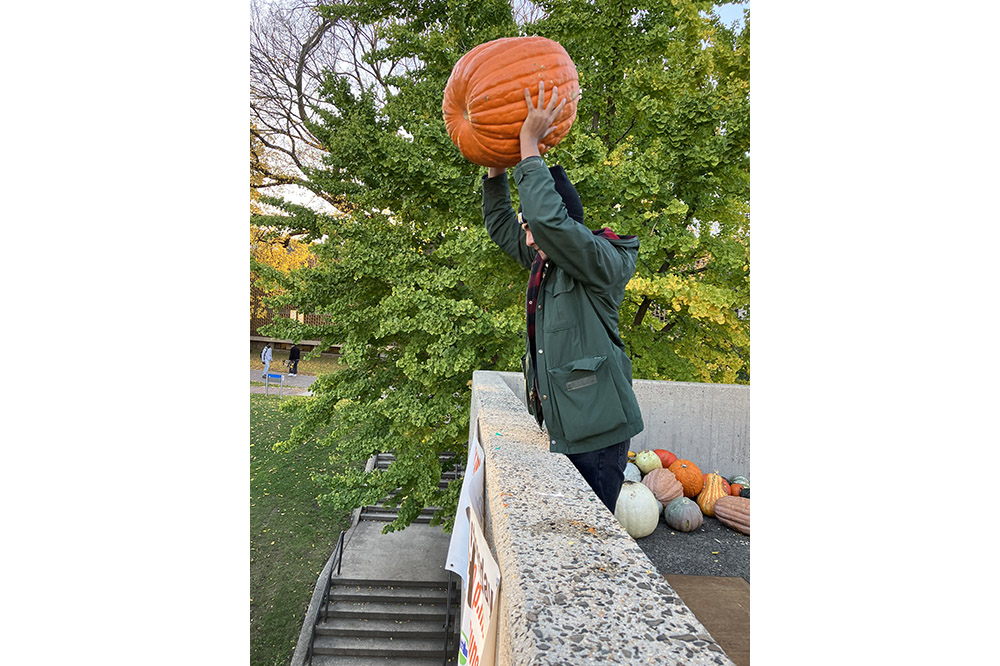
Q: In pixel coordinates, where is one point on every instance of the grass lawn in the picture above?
(307, 366)
(291, 537)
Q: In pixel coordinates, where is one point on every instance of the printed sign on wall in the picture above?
(477, 646)
(473, 486)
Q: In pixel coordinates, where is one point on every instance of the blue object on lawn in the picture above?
(267, 383)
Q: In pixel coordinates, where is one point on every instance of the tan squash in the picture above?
(734, 512)
(712, 491)
(664, 485)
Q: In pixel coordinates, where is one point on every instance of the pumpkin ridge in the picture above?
(734, 512)
(710, 494)
(488, 53)
(496, 116)
(500, 135)
(477, 92)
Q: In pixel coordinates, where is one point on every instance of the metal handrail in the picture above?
(447, 619)
(338, 553)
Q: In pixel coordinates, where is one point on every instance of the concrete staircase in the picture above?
(394, 603)
(390, 622)
(381, 512)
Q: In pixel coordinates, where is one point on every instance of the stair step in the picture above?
(450, 473)
(389, 516)
(370, 582)
(324, 660)
(386, 610)
(432, 647)
(389, 455)
(381, 508)
(399, 595)
(428, 510)
(401, 629)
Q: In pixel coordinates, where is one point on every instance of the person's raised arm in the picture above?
(500, 219)
(569, 244)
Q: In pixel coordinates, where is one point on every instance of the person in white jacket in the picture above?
(265, 356)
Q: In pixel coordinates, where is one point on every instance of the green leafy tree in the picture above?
(419, 296)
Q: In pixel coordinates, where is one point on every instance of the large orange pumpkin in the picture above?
(484, 105)
(689, 475)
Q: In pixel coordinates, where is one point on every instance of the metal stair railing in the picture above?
(447, 619)
(338, 555)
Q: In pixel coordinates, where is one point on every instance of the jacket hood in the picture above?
(624, 242)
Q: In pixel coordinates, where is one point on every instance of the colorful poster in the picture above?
(477, 645)
(473, 487)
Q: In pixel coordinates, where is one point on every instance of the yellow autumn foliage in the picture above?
(277, 251)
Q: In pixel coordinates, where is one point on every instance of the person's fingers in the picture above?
(552, 100)
(559, 108)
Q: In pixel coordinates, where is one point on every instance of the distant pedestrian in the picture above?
(293, 358)
(265, 357)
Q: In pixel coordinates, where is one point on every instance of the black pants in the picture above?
(295, 366)
(604, 470)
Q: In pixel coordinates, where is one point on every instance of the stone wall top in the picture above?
(576, 588)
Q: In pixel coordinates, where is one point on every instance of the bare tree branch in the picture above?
(292, 48)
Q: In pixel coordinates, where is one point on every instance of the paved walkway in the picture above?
(418, 552)
(298, 385)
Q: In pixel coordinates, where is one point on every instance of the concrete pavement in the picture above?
(298, 385)
(417, 553)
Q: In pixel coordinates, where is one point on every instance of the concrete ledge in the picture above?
(576, 588)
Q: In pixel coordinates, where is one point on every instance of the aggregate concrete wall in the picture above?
(575, 588)
(708, 424)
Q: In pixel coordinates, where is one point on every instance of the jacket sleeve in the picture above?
(501, 221)
(572, 246)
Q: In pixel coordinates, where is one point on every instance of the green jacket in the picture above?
(584, 375)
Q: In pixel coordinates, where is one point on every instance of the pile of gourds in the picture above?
(658, 482)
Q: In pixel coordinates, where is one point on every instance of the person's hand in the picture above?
(540, 119)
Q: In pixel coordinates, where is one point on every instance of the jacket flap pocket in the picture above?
(588, 364)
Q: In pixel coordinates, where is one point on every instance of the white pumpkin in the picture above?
(637, 510)
(632, 473)
(647, 461)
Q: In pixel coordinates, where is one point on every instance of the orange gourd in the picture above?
(725, 484)
(735, 489)
(689, 475)
(484, 105)
(712, 491)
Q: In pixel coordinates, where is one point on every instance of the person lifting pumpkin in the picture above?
(578, 378)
